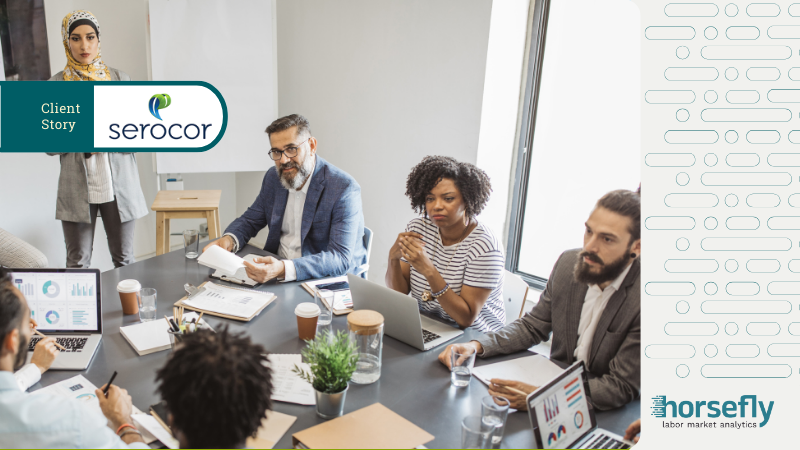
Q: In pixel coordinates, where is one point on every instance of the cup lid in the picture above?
(129, 286)
(307, 310)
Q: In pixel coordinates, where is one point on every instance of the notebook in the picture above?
(222, 260)
(375, 426)
(287, 386)
(342, 300)
(241, 275)
(227, 301)
(535, 370)
(152, 337)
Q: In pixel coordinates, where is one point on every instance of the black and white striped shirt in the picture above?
(478, 261)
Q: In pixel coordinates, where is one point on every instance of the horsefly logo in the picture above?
(159, 101)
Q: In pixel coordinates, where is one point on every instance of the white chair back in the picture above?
(515, 289)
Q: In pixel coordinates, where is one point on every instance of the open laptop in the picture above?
(561, 416)
(66, 305)
(402, 319)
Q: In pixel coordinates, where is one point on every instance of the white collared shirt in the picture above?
(291, 237)
(27, 376)
(98, 177)
(593, 306)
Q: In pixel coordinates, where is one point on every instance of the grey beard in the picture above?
(303, 172)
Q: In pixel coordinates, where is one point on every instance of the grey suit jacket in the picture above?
(614, 359)
(72, 204)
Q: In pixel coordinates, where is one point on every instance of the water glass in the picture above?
(475, 434)
(147, 305)
(461, 368)
(494, 412)
(191, 244)
(325, 314)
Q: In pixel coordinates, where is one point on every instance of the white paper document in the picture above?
(150, 424)
(230, 301)
(77, 387)
(222, 260)
(341, 299)
(241, 274)
(535, 370)
(151, 337)
(287, 386)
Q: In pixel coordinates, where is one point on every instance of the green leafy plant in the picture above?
(332, 359)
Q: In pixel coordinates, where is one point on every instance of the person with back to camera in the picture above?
(89, 183)
(447, 260)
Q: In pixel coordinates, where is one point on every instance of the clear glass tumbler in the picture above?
(324, 299)
(461, 368)
(474, 434)
(191, 244)
(494, 412)
(148, 305)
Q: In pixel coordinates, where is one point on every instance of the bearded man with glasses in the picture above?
(312, 208)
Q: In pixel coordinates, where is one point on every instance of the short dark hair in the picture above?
(217, 387)
(11, 308)
(472, 182)
(292, 120)
(628, 204)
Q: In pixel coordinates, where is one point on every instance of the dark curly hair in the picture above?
(217, 388)
(472, 182)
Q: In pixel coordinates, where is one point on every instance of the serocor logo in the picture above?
(194, 121)
(157, 102)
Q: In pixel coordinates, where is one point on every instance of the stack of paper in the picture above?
(287, 386)
(220, 259)
(535, 370)
(151, 337)
(230, 302)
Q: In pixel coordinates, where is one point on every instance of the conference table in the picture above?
(413, 384)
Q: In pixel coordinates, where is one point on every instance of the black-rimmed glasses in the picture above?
(291, 152)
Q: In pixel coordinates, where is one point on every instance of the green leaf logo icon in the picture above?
(159, 101)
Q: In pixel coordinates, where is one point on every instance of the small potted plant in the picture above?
(332, 359)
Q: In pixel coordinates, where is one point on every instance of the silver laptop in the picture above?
(402, 319)
(561, 416)
(66, 305)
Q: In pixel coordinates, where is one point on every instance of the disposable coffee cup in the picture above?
(307, 315)
(129, 292)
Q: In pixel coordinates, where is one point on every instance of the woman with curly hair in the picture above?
(447, 260)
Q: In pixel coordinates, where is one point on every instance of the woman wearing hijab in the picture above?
(89, 183)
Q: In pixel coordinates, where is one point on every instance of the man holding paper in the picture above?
(47, 421)
(591, 304)
(312, 209)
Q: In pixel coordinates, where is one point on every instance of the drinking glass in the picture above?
(325, 313)
(475, 434)
(147, 305)
(191, 244)
(494, 412)
(461, 368)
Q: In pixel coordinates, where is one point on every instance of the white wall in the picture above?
(384, 83)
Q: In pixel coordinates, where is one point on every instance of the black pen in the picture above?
(105, 391)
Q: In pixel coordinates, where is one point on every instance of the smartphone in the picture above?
(340, 286)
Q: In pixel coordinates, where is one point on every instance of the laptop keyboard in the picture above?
(71, 344)
(603, 441)
(427, 336)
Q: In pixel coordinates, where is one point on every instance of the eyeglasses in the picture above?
(291, 152)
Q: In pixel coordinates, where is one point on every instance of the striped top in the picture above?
(479, 262)
(98, 177)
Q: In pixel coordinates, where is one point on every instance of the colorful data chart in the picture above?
(562, 430)
(578, 419)
(550, 408)
(27, 289)
(551, 438)
(82, 290)
(52, 317)
(51, 289)
(573, 392)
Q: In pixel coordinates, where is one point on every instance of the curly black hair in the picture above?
(217, 388)
(472, 182)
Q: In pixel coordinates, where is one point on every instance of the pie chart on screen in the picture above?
(578, 419)
(51, 289)
(51, 317)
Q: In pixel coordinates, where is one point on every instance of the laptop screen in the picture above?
(560, 412)
(62, 300)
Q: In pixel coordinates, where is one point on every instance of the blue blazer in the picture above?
(332, 230)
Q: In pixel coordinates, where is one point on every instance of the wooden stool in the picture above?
(185, 205)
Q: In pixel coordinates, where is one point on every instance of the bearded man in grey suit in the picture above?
(591, 304)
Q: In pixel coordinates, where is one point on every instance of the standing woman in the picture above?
(89, 183)
(449, 262)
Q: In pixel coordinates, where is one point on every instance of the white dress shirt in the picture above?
(27, 376)
(98, 177)
(291, 245)
(593, 306)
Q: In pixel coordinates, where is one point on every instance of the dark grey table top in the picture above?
(413, 383)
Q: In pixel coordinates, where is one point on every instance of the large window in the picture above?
(580, 134)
